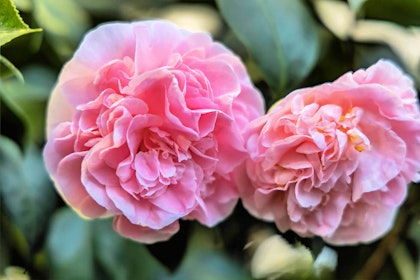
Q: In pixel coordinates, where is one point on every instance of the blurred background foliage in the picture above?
(285, 44)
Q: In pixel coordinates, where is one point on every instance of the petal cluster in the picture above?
(145, 124)
(335, 160)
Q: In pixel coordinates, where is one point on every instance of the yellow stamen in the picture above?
(359, 148)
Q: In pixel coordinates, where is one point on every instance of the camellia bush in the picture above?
(227, 139)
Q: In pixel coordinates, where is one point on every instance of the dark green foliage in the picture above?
(284, 46)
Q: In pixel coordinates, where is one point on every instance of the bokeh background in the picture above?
(285, 44)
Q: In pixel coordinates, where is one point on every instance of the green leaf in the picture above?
(366, 55)
(23, 5)
(102, 6)
(28, 195)
(16, 242)
(77, 243)
(11, 24)
(280, 35)
(109, 249)
(28, 100)
(356, 5)
(122, 258)
(404, 12)
(69, 247)
(205, 261)
(404, 262)
(4, 253)
(64, 23)
(15, 72)
(208, 265)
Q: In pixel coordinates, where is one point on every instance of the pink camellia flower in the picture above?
(335, 160)
(145, 124)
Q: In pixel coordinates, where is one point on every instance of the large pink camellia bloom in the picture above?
(145, 124)
(335, 160)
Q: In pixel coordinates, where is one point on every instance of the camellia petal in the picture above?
(335, 160)
(145, 124)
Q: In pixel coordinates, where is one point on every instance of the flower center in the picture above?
(348, 124)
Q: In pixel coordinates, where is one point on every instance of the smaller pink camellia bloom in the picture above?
(145, 124)
(335, 160)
